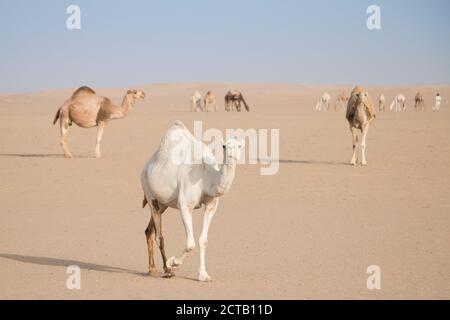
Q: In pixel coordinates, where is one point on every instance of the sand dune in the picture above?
(308, 232)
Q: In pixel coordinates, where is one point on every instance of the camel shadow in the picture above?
(45, 261)
(36, 155)
(312, 162)
(332, 163)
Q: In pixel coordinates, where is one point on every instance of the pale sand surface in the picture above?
(308, 232)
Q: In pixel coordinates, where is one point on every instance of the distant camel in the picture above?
(209, 100)
(360, 114)
(399, 103)
(341, 101)
(88, 110)
(233, 101)
(175, 177)
(196, 102)
(419, 102)
(323, 103)
(381, 102)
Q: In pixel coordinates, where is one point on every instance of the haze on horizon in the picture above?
(140, 42)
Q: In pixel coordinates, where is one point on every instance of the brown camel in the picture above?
(420, 103)
(233, 101)
(209, 100)
(360, 114)
(88, 110)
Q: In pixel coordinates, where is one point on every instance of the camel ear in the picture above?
(129, 91)
(222, 143)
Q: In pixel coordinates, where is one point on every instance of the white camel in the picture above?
(324, 102)
(181, 177)
(381, 102)
(196, 102)
(399, 103)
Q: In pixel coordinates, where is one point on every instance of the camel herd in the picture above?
(361, 113)
(188, 185)
(398, 103)
(184, 185)
(233, 100)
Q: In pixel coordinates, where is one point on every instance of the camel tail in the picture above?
(56, 116)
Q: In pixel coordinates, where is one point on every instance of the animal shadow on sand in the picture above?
(313, 162)
(45, 261)
(36, 155)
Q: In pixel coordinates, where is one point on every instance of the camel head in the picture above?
(135, 94)
(232, 150)
(362, 96)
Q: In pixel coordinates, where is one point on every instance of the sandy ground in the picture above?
(308, 232)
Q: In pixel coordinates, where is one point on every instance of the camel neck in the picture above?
(224, 179)
(127, 105)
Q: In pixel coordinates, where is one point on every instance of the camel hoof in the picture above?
(98, 155)
(152, 271)
(353, 163)
(364, 163)
(204, 277)
(68, 156)
(172, 263)
(168, 274)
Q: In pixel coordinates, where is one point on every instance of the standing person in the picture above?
(437, 106)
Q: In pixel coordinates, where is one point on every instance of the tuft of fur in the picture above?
(144, 202)
(56, 116)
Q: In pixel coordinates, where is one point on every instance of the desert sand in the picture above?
(308, 232)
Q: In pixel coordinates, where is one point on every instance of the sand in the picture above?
(308, 232)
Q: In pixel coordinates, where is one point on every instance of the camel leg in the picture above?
(150, 236)
(64, 128)
(186, 216)
(101, 127)
(156, 217)
(365, 129)
(355, 142)
(210, 210)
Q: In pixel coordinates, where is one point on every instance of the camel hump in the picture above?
(179, 123)
(83, 89)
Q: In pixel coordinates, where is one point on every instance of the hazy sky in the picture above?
(124, 43)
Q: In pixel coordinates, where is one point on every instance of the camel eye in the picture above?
(223, 146)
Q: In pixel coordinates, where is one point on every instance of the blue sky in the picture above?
(123, 43)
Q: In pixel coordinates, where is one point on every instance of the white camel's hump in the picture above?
(178, 144)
